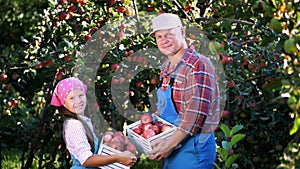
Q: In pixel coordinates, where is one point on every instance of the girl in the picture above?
(70, 99)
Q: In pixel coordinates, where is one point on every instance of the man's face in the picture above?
(170, 41)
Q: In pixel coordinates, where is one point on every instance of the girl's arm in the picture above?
(125, 158)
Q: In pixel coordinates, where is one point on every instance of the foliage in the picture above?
(226, 152)
(259, 49)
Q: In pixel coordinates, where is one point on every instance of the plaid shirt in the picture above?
(195, 92)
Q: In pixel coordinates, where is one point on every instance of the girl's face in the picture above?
(76, 101)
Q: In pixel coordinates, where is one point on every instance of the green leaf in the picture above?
(231, 160)
(226, 145)
(236, 138)
(296, 125)
(216, 166)
(223, 153)
(225, 129)
(235, 129)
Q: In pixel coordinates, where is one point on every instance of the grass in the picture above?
(11, 158)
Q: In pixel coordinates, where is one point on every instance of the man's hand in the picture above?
(163, 148)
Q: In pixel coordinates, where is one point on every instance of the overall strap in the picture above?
(89, 134)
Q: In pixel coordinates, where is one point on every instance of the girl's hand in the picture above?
(127, 158)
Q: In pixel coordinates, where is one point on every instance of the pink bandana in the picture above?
(63, 88)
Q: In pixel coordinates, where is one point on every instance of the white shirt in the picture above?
(76, 138)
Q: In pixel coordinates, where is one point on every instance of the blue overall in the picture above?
(193, 153)
(76, 164)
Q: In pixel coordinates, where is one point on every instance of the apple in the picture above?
(109, 132)
(139, 84)
(116, 145)
(146, 118)
(188, 7)
(115, 66)
(289, 46)
(107, 138)
(138, 130)
(15, 102)
(131, 147)
(87, 37)
(3, 77)
(114, 81)
(121, 9)
(230, 83)
(118, 138)
(121, 80)
(156, 129)
(154, 80)
(62, 16)
(112, 2)
(131, 52)
(225, 113)
(166, 127)
(67, 58)
(72, 8)
(118, 133)
(59, 75)
(276, 25)
(121, 35)
(131, 93)
(148, 133)
(159, 124)
(226, 60)
(146, 126)
(9, 104)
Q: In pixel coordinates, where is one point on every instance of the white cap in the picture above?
(165, 21)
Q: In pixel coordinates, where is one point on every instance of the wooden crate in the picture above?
(145, 145)
(106, 150)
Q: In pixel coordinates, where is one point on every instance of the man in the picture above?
(188, 98)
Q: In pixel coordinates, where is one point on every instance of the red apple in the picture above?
(107, 138)
(87, 37)
(121, 9)
(15, 102)
(59, 75)
(115, 66)
(146, 126)
(159, 124)
(118, 133)
(139, 84)
(148, 133)
(62, 16)
(112, 2)
(116, 145)
(156, 129)
(9, 104)
(146, 118)
(225, 113)
(230, 83)
(109, 132)
(153, 80)
(166, 127)
(3, 77)
(131, 147)
(138, 130)
(226, 59)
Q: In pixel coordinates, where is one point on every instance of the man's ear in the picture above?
(182, 30)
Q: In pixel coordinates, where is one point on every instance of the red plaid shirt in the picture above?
(195, 92)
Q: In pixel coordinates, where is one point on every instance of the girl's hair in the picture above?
(68, 114)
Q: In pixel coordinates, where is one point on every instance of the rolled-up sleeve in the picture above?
(76, 140)
(197, 94)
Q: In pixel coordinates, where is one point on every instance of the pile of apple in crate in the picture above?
(141, 135)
